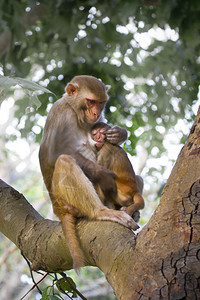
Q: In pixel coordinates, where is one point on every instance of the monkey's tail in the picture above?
(69, 229)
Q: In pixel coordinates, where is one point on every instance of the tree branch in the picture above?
(42, 241)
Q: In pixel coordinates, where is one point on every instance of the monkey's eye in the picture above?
(91, 102)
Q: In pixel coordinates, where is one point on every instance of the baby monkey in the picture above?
(129, 186)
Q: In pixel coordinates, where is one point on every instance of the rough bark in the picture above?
(161, 262)
(42, 241)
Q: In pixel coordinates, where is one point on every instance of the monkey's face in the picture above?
(88, 97)
(93, 110)
(99, 136)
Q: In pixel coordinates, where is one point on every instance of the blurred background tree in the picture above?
(148, 51)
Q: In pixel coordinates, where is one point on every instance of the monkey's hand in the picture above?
(105, 179)
(116, 135)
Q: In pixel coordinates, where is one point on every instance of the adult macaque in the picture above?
(114, 158)
(68, 162)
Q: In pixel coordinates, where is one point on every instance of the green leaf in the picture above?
(74, 295)
(6, 81)
(31, 85)
(45, 294)
(35, 101)
(54, 297)
(63, 285)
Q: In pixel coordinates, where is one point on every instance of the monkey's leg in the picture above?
(138, 199)
(123, 199)
(137, 205)
(71, 186)
(128, 190)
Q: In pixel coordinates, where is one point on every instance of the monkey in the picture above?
(114, 158)
(68, 162)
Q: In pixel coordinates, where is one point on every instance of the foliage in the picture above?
(65, 285)
(62, 285)
(51, 41)
(7, 82)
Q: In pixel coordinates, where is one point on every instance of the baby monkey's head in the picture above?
(98, 134)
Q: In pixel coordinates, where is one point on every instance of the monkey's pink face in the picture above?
(94, 109)
(99, 136)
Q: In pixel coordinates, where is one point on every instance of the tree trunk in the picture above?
(161, 262)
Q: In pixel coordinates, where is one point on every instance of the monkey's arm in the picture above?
(116, 135)
(97, 174)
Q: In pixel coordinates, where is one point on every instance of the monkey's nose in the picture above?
(96, 115)
(98, 135)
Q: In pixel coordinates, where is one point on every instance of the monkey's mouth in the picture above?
(90, 120)
(99, 144)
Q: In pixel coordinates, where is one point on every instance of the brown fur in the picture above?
(114, 158)
(129, 185)
(68, 163)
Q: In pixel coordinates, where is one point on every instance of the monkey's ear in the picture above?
(108, 87)
(71, 89)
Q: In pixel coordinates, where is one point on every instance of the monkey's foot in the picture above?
(123, 208)
(135, 214)
(119, 217)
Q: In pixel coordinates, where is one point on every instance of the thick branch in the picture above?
(42, 240)
(173, 232)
